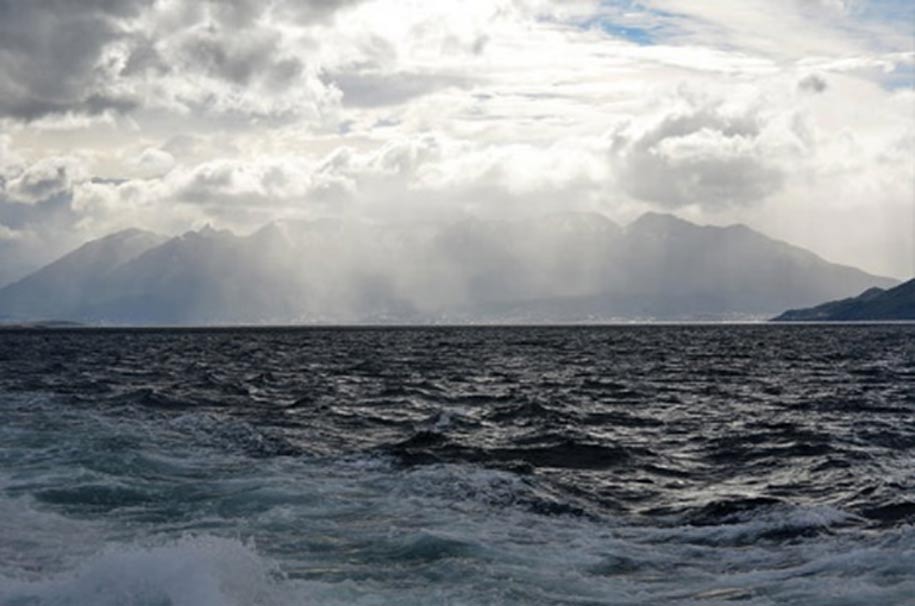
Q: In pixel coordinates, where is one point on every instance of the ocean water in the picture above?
(644, 465)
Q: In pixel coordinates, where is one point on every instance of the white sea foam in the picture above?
(205, 571)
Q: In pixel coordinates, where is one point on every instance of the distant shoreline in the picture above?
(76, 327)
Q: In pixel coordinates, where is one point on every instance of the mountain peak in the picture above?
(591, 221)
(270, 234)
(208, 232)
(129, 232)
(655, 220)
(75, 276)
(124, 241)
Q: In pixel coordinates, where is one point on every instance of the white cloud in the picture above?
(45, 179)
(9, 159)
(8, 234)
(153, 162)
(710, 153)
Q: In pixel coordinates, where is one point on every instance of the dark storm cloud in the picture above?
(241, 13)
(53, 52)
(49, 53)
(232, 60)
(311, 10)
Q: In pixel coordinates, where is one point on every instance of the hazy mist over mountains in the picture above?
(571, 267)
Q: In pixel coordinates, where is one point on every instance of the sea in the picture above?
(643, 465)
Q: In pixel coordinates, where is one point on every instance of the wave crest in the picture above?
(192, 571)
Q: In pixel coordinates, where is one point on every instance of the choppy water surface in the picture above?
(620, 465)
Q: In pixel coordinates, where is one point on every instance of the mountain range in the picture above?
(575, 267)
(874, 304)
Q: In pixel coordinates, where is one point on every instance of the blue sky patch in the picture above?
(632, 21)
(900, 78)
(901, 11)
(638, 35)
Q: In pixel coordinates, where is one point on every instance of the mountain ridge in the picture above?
(566, 267)
(874, 304)
(72, 274)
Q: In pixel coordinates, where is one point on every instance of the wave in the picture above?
(198, 571)
(620, 566)
(175, 474)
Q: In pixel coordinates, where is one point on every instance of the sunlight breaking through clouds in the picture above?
(794, 116)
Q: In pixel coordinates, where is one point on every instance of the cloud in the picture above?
(36, 219)
(93, 57)
(311, 11)
(9, 159)
(813, 84)
(704, 155)
(380, 90)
(7, 234)
(248, 73)
(783, 29)
(153, 162)
(223, 182)
(45, 179)
(407, 179)
(52, 59)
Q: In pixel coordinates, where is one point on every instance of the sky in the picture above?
(795, 117)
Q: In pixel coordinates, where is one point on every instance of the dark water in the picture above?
(619, 465)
